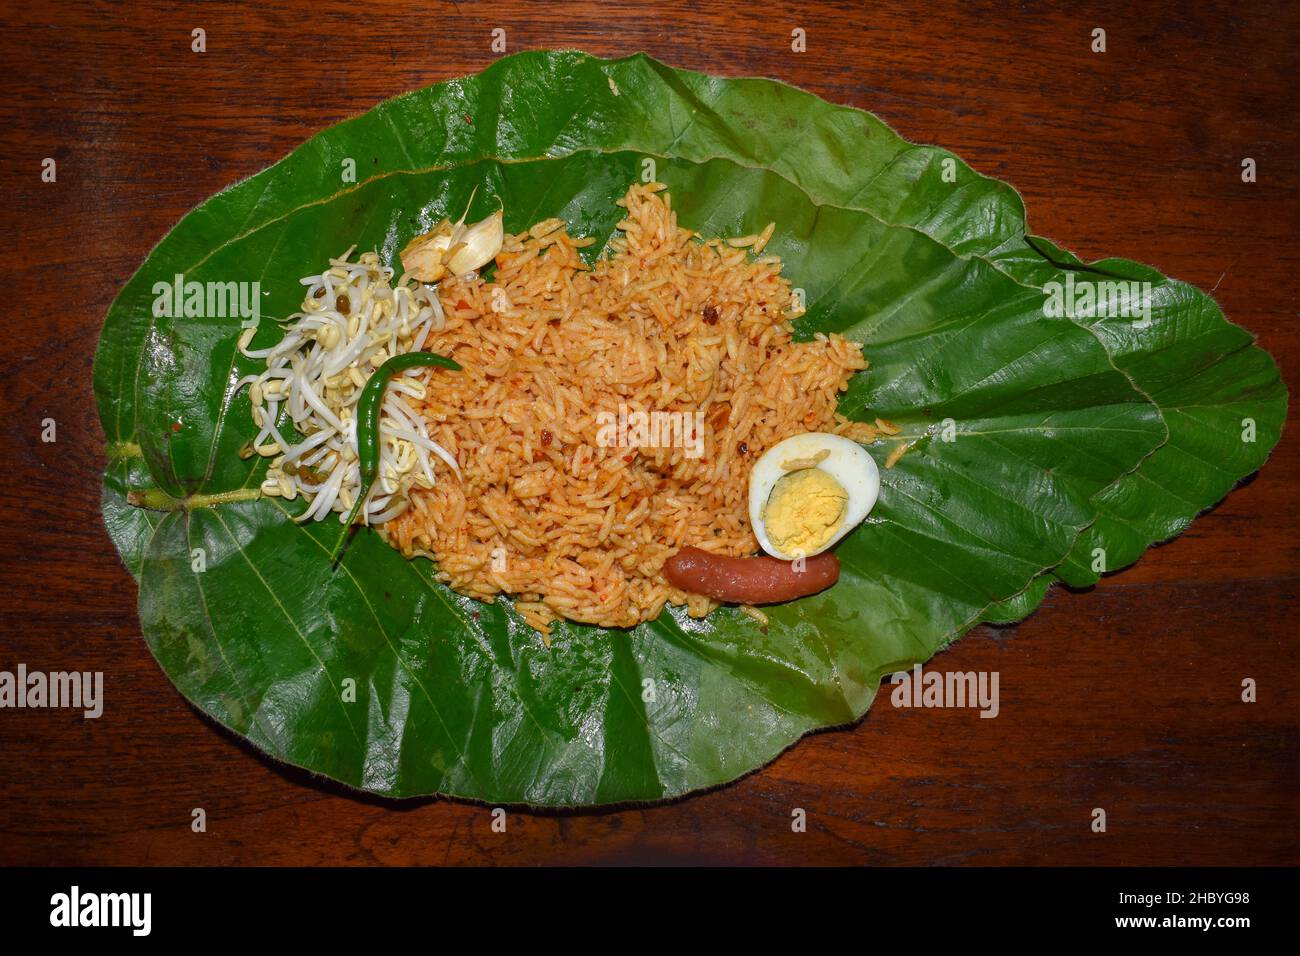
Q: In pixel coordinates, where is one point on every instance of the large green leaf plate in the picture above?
(1066, 437)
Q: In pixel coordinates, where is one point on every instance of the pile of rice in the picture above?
(664, 322)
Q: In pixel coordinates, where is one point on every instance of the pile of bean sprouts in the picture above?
(352, 320)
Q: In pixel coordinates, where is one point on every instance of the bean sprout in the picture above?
(352, 319)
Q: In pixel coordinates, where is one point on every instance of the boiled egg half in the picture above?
(809, 491)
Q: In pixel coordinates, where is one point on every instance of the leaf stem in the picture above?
(155, 499)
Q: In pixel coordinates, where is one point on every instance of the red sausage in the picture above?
(760, 580)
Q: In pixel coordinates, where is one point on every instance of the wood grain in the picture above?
(1126, 697)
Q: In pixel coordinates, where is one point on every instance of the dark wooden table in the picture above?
(1125, 697)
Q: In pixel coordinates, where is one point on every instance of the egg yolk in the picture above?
(805, 509)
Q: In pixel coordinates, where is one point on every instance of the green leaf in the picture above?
(1221, 397)
(1022, 426)
(1210, 381)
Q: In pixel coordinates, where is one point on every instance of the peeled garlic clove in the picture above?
(476, 247)
(461, 221)
(422, 259)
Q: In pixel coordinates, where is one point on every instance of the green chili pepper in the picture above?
(369, 408)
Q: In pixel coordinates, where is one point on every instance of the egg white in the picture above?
(847, 462)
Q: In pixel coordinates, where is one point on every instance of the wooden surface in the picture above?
(1126, 697)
